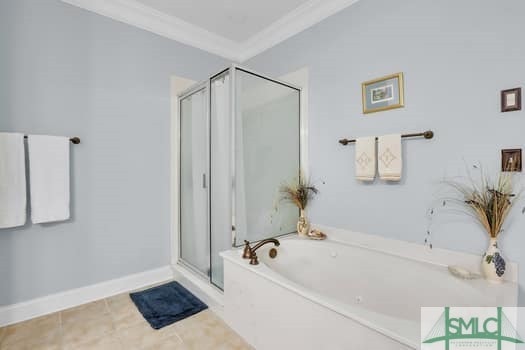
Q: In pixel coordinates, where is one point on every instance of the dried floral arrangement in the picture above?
(486, 200)
(298, 192)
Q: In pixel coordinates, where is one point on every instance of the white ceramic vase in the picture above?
(303, 225)
(492, 264)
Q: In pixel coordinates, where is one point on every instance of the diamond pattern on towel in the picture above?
(387, 157)
(363, 160)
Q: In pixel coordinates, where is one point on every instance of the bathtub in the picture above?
(351, 291)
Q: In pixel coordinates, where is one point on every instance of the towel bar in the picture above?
(426, 134)
(74, 140)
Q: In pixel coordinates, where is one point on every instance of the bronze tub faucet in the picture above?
(249, 252)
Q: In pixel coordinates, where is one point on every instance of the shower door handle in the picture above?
(204, 180)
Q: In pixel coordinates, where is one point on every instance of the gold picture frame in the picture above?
(385, 93)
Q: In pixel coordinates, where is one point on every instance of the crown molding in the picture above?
(136, 14)
(303, 17)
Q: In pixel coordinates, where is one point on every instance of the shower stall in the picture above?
(239, 137)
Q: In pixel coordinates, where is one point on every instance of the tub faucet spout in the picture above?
(249, 252)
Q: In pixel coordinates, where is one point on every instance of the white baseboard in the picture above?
(52, 303)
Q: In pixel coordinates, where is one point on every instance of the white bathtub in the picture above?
(339, 294)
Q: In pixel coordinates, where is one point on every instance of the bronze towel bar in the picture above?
(74, 140)
(426, 134)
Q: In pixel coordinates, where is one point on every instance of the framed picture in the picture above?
(511, 160)
(511, 100)
(383, 93)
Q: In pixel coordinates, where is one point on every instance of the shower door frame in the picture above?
(206, 85)
(202, 86)
(233, 69)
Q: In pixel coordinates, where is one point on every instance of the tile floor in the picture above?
(116, 324)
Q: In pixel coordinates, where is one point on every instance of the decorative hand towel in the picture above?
(365, 158)
(389, 157)
(49, 178)
(12, 180)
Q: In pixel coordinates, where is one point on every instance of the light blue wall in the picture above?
(66, 71)
(456, 56)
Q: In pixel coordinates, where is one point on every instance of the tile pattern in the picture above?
(116, 324)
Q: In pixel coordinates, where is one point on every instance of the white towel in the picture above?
(389, 157)
(12, 180)
(365, 158)
(49, 178)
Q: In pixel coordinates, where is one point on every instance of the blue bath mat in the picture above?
(167, 304)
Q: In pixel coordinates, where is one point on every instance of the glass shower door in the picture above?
(194, 174)
(221, 174)
(239, 142)
(267, 155)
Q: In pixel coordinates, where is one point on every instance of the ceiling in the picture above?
(233, 19)
(234, 29)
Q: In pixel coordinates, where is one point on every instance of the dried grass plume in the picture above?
(299, 192)
(489, 201)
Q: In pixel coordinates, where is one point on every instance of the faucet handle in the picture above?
(254, 260)
(247, 253)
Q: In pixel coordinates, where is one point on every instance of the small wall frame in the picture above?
(511, 100)
(511, 160)
(383, 93)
